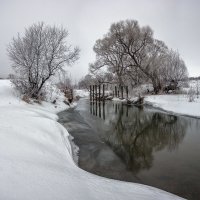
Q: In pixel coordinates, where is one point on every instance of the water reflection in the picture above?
(135, 135)
(98, 109)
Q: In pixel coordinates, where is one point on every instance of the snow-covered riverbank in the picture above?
(36, 159)
(171, 103)
(178, 104)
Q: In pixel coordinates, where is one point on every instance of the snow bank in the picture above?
(81, 93)
(36, 162)
(175, 103)
(118, 99)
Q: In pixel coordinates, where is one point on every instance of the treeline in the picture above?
(129, 55)
(194, 78)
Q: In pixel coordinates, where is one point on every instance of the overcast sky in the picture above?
(176, 22)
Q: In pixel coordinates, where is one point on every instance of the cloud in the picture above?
(173, 21)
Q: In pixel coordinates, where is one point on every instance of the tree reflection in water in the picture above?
(134, 136)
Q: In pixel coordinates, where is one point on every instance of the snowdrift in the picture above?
(176, 104)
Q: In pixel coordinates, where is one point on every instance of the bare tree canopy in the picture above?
(38, 55)
(132, 54)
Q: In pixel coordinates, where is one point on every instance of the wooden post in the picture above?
(99, 109)
(96, 103)
(93, 92)
(96, 92)
(127, 92)
(118, 93)
(99, 92)
(122, 96)
(91, 107)
(103, 92)
(104, 110)
(90, 93)
(115, 91)
(127, 110)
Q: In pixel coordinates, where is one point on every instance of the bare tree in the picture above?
(110, 55)
(153, 61)
(38, 55)
(123, 50)
(132, 54)
(134, 40)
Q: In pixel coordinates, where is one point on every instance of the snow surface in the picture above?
(36, 158)
(81, 93)
(175, 104)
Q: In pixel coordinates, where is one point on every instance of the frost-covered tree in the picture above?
(38, 55)
(153, 61)
(131, 53)
(135, 41)
(111, 55)
(122, 51)
(175, 69)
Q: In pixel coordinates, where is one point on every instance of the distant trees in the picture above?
(175, 68)
(132, 54)
(65, 81)
(97, 78)
(39, 55)
(86, 81)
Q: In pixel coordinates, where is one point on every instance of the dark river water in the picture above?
(134, 144)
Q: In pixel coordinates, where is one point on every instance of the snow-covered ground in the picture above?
(81, 93)
(175, 103)
(36, 158)
(186, 103)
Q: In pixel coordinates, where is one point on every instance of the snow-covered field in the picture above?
(175, 104)
(187, 103)
(36, 160)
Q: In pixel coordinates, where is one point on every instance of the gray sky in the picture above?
(176, 22)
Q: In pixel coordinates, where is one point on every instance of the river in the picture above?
(142, 145)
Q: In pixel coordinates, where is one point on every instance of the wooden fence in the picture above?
(97, 92)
